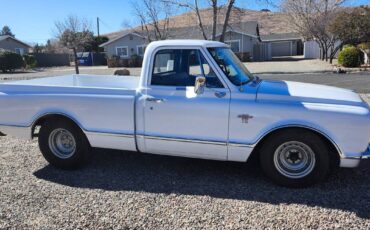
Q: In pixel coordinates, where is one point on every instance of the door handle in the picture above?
(156, 100)
(220, 94)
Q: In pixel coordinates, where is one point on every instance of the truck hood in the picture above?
(288, 91)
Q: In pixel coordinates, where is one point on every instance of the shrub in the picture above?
(30, 61)
(349, 57)
(122, 72)
(134, 61)
(10, 61)
(112, 62)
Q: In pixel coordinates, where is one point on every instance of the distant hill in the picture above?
(269, 22)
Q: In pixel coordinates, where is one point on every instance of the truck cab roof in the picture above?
(186, 42)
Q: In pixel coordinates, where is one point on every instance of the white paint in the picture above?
(184, 124)
(312, 49)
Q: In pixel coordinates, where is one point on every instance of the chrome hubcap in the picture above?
(294, 159)
(62, 143)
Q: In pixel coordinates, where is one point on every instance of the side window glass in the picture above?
(212, 81)
(181, 67)
(164, 62)
(195, 68)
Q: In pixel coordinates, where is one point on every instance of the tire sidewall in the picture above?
(82, 147)
(322, 161)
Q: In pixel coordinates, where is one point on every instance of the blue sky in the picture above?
(33, 20)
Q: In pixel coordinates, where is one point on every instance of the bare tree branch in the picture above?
(215, 7)
(154, 16)
(74, 33)
(312, 18)
(230, 5)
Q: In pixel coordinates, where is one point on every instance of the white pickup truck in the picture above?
(193, 99)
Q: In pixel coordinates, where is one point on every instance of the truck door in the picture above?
(177, 121)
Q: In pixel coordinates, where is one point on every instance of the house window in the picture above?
(234, 45)
(122, 51)
(141, 50)
(19, 51)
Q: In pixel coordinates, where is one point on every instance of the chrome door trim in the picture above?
(184, 140)
(196, 141)
(110, 134)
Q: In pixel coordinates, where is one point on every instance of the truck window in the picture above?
(181, 67)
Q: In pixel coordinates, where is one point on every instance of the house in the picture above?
(243, 38)
(10, 43)
(284, 44)
(125, 45)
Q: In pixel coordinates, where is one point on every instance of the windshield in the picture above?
(230, 64)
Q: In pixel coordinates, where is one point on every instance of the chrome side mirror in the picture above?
(200, 82)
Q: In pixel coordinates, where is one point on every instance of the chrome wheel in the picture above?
(62, 143)
(294, 159)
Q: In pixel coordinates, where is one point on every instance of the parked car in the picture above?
(193, 99)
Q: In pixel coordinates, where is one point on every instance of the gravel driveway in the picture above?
(130, 190)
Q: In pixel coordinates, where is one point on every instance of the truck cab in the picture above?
(185, 103)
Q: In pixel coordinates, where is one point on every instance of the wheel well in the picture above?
(41, 121)
(333, 150)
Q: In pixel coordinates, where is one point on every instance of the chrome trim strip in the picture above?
(184, 140)
(15, 126)
(234, 144)
(110, 134)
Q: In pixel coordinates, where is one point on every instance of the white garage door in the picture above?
(281, 49)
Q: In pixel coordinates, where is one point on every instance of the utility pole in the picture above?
(97, 24)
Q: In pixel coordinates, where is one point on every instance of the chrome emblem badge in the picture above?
(245, 117)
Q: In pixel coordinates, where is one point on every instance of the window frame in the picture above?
(231, 41)
(205, 54)
(120, 47)
(137, 49)
(21, 51)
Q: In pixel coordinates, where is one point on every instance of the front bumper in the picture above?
(352, 162)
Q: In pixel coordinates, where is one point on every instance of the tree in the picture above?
(216, 7)
(6, 31)
(311, 19)
(93, 45)
(154, 16)
(38, 48)
(352, 26)
(74, 33)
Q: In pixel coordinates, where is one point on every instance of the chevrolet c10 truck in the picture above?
(193, 99)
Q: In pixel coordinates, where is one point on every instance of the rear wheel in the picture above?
(295, 158)
(63, 144)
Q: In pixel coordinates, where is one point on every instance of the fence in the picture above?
(49, 60)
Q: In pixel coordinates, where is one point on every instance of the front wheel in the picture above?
(63, 144)
(295, 158)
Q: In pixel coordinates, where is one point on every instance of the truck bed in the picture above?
(100, 105)
(83, 81)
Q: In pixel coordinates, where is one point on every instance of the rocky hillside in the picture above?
(269, 22)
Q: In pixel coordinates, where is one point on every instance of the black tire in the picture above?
(272, 154)
(77, 157)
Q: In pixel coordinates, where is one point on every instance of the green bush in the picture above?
(349, 56)
(10, 61)
(30, 61)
